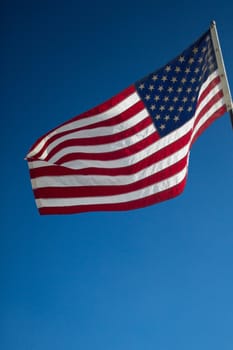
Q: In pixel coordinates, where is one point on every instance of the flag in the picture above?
(132, 150)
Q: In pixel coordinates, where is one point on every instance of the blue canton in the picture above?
(170, 93)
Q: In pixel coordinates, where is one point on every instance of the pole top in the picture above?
(213, 23)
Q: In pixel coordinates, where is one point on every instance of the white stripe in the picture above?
(97, 132)
(106, 148)
(210, 78)
(123, 162)
(214, 91)
(172, 137)
(33, 164)
(110, 113)
(134, 195)
(208, 115)
(119, 108)
(134, 158)
(120, 145)
(102, 180)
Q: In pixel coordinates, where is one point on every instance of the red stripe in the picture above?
(208, 89)
(126, 152)
(95, 191)
(114, 155)
(95, 141)
(131, 169)
(209, 121)
(124, 134)
(135, 204)
(120, 118)
(103, 107)
(208, 106)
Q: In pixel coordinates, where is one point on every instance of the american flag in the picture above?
(132, 150)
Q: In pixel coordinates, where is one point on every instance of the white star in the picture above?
(177, 69)
(162, 108)
(168, 68)
(185, 99)
(211, 66)
(189, 90)
(160, 88)
(167, 117)
(170, 89)
(176, 118)
(162, 126)
(157, 116)
(191, 60)
(147, 97)
(195, 50)
(156, 98)
(180, 109)
(164, 78)
(155, 77)
(174, 79)
(187, 70)
(142, 86)
(166, 98)
(181, 59)
(152, 107)
(151, 87)
(175, 99)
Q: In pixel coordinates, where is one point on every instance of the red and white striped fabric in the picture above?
(113, 156)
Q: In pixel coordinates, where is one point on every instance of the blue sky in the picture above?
(155, 278)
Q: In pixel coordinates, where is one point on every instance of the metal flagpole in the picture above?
(222, 71)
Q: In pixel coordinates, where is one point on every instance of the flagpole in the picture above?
(221, 68)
